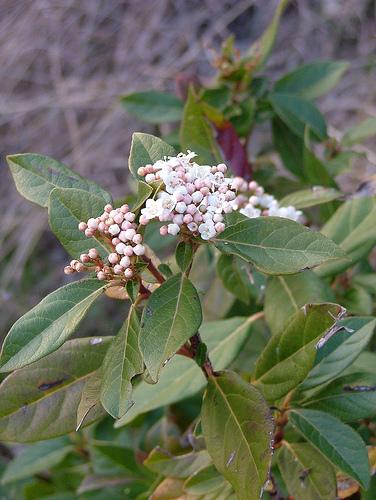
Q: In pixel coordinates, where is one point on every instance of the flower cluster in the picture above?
(194, 196)
(118, 229)
(252, 201)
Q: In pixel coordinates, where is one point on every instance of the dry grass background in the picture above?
(64, 63)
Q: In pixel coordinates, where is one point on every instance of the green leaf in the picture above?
(275, 245)
(90, 398)
(36, 458)
(297, 113)
(109, 458)
(196, 133)
(153, 106)
(181, 377)
(144, 192)
(171, 316)
(307, 474)
(336, 441)
(290, 355)
(353, 228)
(236, 275)
(315, 172)
(40, 401)
(340, 350)
(366, 281)
(288, 146)
(67, 208)
(360, 132)
(312, 80)
(310, 197)
(261, 49)
(204, 481)
(349, 398)
(180, 466)
(285, 295)
(36, 176)
(146, 149)
(238, 428)
(122, 362)
(184, 255)
(218, 98)
(46, 327)
(357, 300)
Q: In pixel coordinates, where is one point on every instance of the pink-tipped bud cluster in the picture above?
(117, 227)
(252, 202)
(195, 197)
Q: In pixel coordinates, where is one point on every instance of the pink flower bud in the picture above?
(89, 232)
(68, 270)
(217, 218)
(163, 230)
(79, 267)
(187, 218)
(101, 275)
(219, 227)
(119, 218)
(130, 216)
(92, 224)
(128, 273)
(181, 207)
(144, 220)
(82, 226)
(120, 247)
(125, 261)
(108, 208)
(84, 258)
(113, 258)
(191, 209)
(102, 227)
(259, 191)
(197, 217)
(128, 250)
(93, 253)
(178, 219)
(124, 209)
(129, 233)
(141, 171)
(197, 197)
(114, 229)
(118, 269)
(73, 263)
(252, 186)
(115, 241)
(205, 190)
(222, 168)
(139, 250)
(137, 238)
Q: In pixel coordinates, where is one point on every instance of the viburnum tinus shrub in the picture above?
(244, 367)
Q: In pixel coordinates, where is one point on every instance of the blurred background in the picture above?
(65, 63)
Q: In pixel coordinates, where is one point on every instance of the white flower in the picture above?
(201, 171)
(266, 200)
(250, 211)
(153, 208)
(168, 201)
(207, 230)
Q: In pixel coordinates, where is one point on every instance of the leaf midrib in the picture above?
(238, 425)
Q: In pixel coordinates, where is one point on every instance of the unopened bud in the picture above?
(82, 226)
(68, 270)
(93, 253)
(128, 273)
(101, 275)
